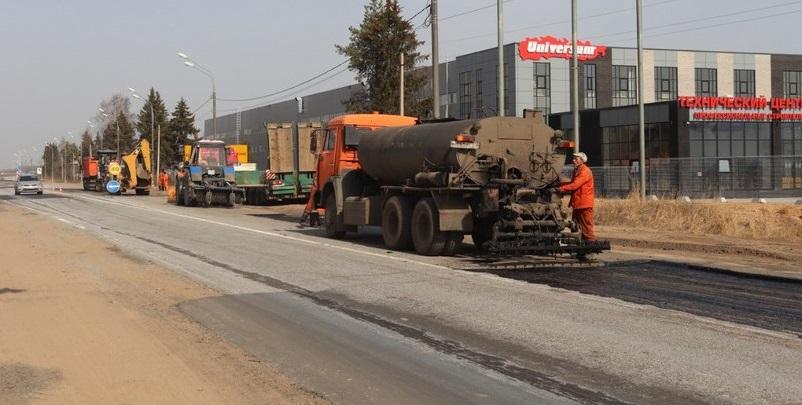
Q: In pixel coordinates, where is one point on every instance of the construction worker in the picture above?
(163, 180)
(582, 195)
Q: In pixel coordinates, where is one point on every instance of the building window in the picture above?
(620, 146)
(706, 82)
(730, 139)
(590, 85)
(543, 87)
(792, 84)
(744, 83)
(665, 83)
(791, 134)
(480, 106)
(624, 85)
(465, 95)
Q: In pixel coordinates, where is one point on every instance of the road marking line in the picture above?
(272, 234)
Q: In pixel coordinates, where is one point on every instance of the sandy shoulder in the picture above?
(82, 323)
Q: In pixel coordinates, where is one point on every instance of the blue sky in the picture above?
(61, 58)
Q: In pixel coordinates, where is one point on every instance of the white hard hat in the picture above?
(582, 156)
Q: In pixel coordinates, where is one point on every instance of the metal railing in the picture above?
(733, 177)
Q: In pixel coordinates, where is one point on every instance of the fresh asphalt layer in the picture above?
(358, 324)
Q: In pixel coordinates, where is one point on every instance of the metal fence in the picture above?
(733, 177)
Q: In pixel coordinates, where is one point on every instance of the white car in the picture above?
(28, 184)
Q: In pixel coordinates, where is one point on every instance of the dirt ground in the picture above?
(82, 323)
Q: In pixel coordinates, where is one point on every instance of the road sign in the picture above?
(113, 186)
(115, 169)
(39, 171)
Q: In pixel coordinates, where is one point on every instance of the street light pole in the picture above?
(152, 135)
(500, 83)
(53, 163)
(641, 122)
(190, 63)
(117, 123)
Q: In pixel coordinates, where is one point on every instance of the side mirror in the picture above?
(313, 141)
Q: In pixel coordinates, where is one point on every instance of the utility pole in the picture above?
(63, 163)
(53, 164)
(641, 124)
(575, 77)
(448, 93)
(500, 80)
(401, 93)
(435, 61)
(214, 109)
(117, 121)
(158, 147)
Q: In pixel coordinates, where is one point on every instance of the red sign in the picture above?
(742, 108)
(547, 47)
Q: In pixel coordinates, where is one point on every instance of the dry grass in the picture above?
(743, 220)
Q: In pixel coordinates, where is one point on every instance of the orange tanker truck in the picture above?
(427, 185)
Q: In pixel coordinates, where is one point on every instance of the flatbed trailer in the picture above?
(290, 169)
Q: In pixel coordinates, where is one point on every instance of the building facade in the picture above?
(701, 104)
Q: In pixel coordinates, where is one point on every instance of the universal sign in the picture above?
(547, 47)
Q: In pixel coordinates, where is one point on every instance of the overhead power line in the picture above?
(201, 106)
(785, 13)
(560, 22)
(493, 5)
(288, 88)
(313, 78)
(714, 17)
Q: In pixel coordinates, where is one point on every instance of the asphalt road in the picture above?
(359, 324)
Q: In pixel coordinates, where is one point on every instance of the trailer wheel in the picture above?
(427, 237)
(396, 228)
(331, 221)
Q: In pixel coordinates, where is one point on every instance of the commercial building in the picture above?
(701, 104)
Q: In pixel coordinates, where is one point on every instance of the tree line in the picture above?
(114, 122)
(373, 53)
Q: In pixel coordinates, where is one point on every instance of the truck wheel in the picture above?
(188, 199)
(332, 222)
(208, 198)
(427, 237)
(396, 229)
(231, 199)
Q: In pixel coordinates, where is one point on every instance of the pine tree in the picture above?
(181, 130)
(374, 54)
(144, 119)
(51, 159)
(127, 141)
(112, 108)
(87, 144)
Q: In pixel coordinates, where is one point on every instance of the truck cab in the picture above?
(336, 147)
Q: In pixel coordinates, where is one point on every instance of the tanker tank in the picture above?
(396, 155)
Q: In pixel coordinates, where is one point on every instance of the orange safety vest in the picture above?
(581, 187)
